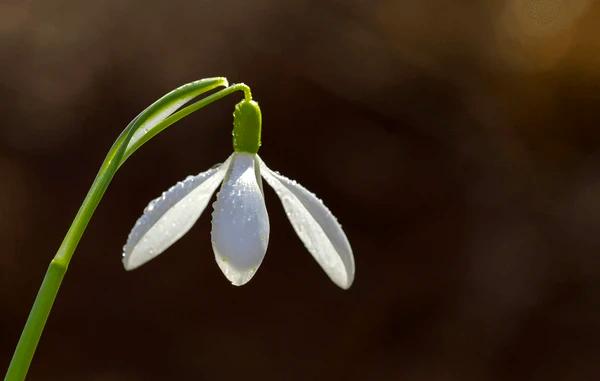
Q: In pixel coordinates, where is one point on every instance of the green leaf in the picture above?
(148, 123)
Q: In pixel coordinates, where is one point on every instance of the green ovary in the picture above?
(247, 122)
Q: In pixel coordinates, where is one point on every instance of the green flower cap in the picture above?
(247, 123)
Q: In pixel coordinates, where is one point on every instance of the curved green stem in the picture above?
(118, 153)
(185, 112)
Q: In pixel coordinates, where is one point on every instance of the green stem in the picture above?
(35, 323)
(185, 112)
(46, 295)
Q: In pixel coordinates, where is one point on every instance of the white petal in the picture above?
(169, 217)
(316, 226)
(240, 224)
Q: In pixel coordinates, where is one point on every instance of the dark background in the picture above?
(457, 142)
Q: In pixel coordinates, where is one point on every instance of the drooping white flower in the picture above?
(240, 223)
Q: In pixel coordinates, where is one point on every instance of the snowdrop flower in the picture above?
(240, 223)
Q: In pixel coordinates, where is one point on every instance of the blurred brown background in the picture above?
(457, 142)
